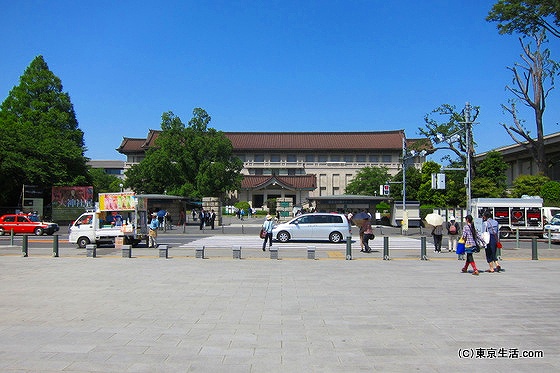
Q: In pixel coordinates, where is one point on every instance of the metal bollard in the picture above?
(25, 246)
(273, 253)
(91, 251)
(534, 249)
(163, 251)
(55, 246)
(386, 248)
(236, 252)
(199, 252)
(348, 247)
(423, 255)
(11, 237)
(127, 251)
(310, 252)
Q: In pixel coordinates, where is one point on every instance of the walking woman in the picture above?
(267, 226)
(471, 236)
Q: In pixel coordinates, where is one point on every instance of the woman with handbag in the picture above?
(490, 233)
(367, 233)
(471, 236)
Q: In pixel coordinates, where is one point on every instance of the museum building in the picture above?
(299, 165)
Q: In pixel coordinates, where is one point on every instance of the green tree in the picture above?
(40, 142)
(529, 185)
(453, 130)
(526, 16)
(550, 192)
(192, 161)
(413, 181)
(104, 183)
(490, 180)
(426, 194)
(367, 181)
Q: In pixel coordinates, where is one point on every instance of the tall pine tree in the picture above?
(40, 142)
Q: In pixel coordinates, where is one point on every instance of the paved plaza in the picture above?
(182, 314)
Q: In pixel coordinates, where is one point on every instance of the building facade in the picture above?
(299, 165)
(520, 161)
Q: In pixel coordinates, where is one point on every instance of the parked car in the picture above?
(26, 224)
(553, 228)
(317, 226)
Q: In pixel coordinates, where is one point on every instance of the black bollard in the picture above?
(386, 248)
(55, 246)
(24, 246)
(348, 247)
(534, 249)
(423, 255)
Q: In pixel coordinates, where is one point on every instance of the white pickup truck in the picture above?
(89, 228)
(93, 227)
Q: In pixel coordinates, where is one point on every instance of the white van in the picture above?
(318, 226)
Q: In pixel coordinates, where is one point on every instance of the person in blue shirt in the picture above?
(152, 234)
(267, 226)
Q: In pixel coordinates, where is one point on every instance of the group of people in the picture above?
(488, 239)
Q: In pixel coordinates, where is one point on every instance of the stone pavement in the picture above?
(111, 314)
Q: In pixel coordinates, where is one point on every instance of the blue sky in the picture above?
(268, 65)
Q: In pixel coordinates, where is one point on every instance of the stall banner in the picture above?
(117, 201)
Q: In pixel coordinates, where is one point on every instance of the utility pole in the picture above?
(468, 143)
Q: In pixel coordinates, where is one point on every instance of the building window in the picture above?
(310, 158)
(335, 158)
(291, 158)
(360, 158)
(275, 158)
(374, 158)
(291, 171)
(259, 157)
(349, 158)
(323, 158)
(242, 157)
(386, 158)
(258, 171)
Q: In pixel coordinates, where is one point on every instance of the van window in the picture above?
(303, 220)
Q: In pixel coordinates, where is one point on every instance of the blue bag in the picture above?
(460, 248)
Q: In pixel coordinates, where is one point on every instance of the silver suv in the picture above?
(317, 226)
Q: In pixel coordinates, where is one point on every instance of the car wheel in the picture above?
(83, 242)
(335, 237)
(505, 233)
(38, 231)
(283, 236)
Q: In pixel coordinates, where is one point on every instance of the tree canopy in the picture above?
(191, 161)
(40, 142)
(526, 17)
(367, 181)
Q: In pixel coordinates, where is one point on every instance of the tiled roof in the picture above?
(296, 182)
(313, 141)
(278, 141)
(131, 145)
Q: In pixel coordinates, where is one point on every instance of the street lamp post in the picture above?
(406, 156)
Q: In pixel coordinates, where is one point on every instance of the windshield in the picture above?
(33, 218)
(555, 220)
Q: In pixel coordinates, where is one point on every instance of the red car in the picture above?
(23, 224)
